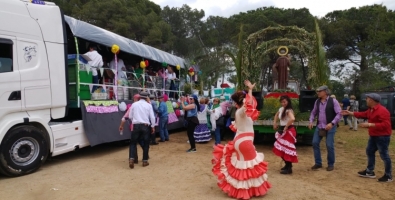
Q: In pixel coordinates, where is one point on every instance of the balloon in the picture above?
(146, 63)
(115, 49)
(122, 106)
(200, 72)
(191, 73)
(142, 64)
(175, 105)
(191, 69)
(164, 64)
(178, 67)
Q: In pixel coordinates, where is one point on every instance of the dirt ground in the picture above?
(102, 172)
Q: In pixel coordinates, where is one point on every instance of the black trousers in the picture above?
(140, 132)
(190, 130)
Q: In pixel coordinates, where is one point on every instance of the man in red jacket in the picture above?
(379, 126)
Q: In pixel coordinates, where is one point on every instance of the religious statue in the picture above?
(282, 66)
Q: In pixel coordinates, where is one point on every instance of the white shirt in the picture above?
(120, 64)
(170, 76)
(142, 113)
(284, 121)
(96, 61)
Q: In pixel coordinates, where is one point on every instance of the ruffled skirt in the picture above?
(240, 170)
(284, 146)
(202, 133)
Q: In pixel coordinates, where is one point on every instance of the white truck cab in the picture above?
(32, 83)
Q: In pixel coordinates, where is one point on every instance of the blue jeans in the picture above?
(163, 132)
(381, 144)
(95, 80)
(330, 146)
(217, 135)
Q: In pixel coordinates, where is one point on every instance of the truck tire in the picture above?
(23, 150)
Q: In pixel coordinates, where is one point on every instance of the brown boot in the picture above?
(131, 163)
(145, 163)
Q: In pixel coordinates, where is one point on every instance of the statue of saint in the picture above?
(282, 67)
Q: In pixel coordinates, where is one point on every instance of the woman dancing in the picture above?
(240, 170)
(284, 147)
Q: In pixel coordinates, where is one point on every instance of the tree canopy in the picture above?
(359, 42)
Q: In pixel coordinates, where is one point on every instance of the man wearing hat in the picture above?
(141, 115)
(328, 113)
(155, 108)
(379, 126)
(163, 118)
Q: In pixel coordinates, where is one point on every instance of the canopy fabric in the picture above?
(101, 36)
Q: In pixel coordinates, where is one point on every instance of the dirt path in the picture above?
(102, 172)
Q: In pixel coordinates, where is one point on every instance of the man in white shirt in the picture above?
(96, 62)
(141, 114)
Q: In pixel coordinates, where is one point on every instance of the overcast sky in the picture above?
(227, 8)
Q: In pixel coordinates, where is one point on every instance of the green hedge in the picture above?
(271, 106)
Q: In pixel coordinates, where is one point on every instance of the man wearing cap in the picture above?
(141, 115)
(155, 108)
(328, 113)
(163, 118)
(379, 126)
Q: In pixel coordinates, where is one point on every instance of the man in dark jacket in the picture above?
(328, 113)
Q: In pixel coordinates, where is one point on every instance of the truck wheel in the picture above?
(22, 151)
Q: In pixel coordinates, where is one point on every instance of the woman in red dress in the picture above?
(241, 171)
(284, 146)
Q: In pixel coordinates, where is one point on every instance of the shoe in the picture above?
(366, 174)
(161, 141)
(154, 143)
(315, 167)
(330, 168)
(145, 163)
(166, 139)
(385, 178)
(350, 128)
(191, 150)
(284, 168)
(286, 171)
(131, 163)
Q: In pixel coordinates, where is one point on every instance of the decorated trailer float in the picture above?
(46, 104)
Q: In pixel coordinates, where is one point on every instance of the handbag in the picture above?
(322, 132)
(220, 121)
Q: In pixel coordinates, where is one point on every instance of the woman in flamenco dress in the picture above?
(241, 171)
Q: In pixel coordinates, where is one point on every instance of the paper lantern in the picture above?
(146, 63)
(199, 72)
(164, 64)
(178, 67)
(191, 69)
(122, 106)
(142, 64)
(191, 73)
(115, 49)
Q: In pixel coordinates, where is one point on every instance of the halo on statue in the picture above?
(282, 49)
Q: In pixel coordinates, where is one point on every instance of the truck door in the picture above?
(10, 80)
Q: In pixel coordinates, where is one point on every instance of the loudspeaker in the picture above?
(259, 99)
(307, 99)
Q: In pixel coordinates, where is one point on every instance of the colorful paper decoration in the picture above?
(164, 64)
(178, 67)
(146, 63)
(191, 73)
(115, 49)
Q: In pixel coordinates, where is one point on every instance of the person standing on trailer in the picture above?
(96, 62)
